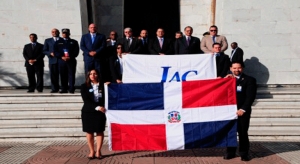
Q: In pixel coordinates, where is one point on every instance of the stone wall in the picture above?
(19, 18)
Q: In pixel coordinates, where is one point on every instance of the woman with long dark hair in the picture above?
(93, 112)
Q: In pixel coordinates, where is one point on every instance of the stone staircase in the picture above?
(45, 116)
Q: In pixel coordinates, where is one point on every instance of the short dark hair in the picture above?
(188, 27)
(214, 26)
(33, 34)
(234, 43)
(216, 44)
(238, 62)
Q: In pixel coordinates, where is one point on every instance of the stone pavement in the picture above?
(75, 152)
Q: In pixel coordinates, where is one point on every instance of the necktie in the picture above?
(161, 42)
(33, 45)
(188, 40)
(93, 38)
(128, 42)
(213, 38)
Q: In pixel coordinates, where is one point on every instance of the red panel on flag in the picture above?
(138, 137)
(204, 93)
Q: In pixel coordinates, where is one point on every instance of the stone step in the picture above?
(275, 113)
(44, 94)
(254, 122)
(30, 125)
(41, 109)
(37, 122)
(4, 114)
(42, 105)
(28, 117)
(276, 102)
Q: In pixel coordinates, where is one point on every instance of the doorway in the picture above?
(152, 14)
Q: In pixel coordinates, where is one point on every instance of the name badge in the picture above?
(239, 88)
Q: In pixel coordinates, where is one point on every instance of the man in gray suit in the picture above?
(208, 40)
(53, 65)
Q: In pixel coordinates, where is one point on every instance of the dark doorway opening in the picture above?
(152, 14)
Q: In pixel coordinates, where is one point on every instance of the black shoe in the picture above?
(245, 158)
(62, 91)
(53, 91)
(30, 91)
(71, 92)
(229, 156)
(40, 91)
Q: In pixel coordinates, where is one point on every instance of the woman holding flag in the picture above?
(93, 112)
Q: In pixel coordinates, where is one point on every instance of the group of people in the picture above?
(103, 64)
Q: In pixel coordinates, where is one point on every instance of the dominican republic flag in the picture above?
(171, 116)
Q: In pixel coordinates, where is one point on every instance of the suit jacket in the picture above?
(87, 95)
(247, 95)
(134, 48)
(144, 46)
(87, 46)
(31, 54)
(114, 66)
(167, 47)
(181, 46)
(238, 55)
(48, 48)
(207, 42)
(71, 45)
(223, 64)
(110, 49)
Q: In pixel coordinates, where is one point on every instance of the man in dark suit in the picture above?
(110, 51)
(161, 45)
(187, 44)
(93, 46)
(144, 42)
(237, 53)
(66, 50)
(115, 64)
(222, 60)
(34, 63)
(53, 64)
(131, 45)
(245, 94)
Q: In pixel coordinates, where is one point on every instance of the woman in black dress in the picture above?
(93, 112)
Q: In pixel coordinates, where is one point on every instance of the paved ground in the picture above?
(75, 152)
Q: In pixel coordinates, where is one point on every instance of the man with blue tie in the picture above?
(213, 37)
(93, 45)
(53, 64)
(66, 50)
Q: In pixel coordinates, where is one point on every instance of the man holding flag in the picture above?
(245, 94)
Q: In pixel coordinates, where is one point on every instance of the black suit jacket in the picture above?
(135, 46)
(181, 46)
(223, 64)
(114, 66)
(110, 49)
(247, 95)
(31, 54)
(144, 46)
(48, 48)
(87, 46)
(238, 55)
(87, 95)
(167, 47)
(71, 45)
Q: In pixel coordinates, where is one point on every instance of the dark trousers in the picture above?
(67, 71)
(35, 75)
(242, 128)
(54, 76)
(89, 65)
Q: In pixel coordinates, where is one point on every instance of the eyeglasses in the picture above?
(127, 31)
(213, 30)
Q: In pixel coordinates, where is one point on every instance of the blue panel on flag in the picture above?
(136, 96)
(210, 134)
